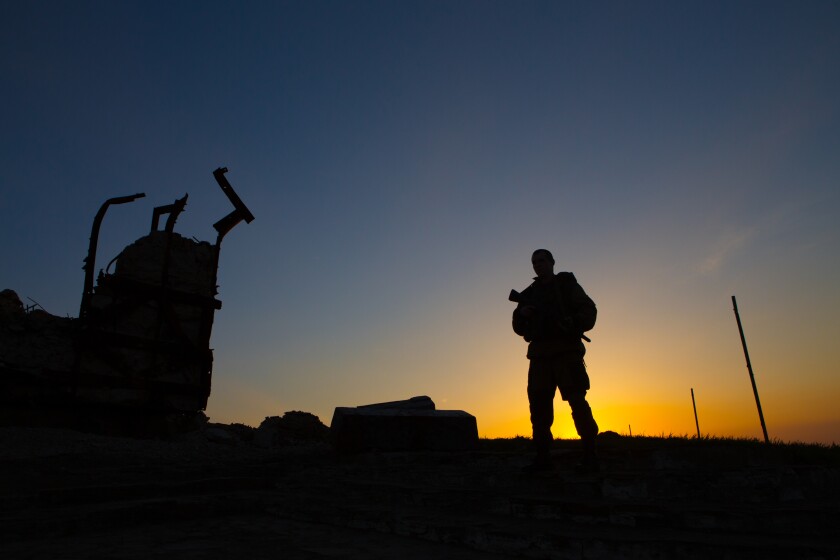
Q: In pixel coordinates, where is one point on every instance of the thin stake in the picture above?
(694, 404)
(631, 430)
(749, 368)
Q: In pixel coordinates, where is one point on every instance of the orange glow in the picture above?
(641, 379)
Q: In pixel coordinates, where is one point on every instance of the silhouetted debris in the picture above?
(293, 428)
(10, 304)
(412, 424)
(189, 268)
(137, 360)
(609, 435)
(243, 432)
(31, 345)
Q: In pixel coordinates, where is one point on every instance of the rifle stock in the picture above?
(517, 297)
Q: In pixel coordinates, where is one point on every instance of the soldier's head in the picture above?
(543, 262)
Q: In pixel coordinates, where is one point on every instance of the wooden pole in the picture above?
(749, 368)
(694, 404)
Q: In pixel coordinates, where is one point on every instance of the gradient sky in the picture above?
(403, 159)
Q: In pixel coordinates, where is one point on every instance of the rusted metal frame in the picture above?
(223, 226)
(174, 210)
(87, 291)
(90, 260)
(178, 296)
(166, 298)
(240, 212)
(165, 311)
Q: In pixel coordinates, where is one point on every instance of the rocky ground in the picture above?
(225, 492)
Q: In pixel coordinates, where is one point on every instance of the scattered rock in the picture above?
(609, 435)
(243, 432)
(31, 343)
(294, 427)
(10, 304)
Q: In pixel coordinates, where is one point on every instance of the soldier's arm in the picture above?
(522, 315)
(583, 308)
(520, 322)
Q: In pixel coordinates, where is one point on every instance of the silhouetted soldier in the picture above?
(552, 315)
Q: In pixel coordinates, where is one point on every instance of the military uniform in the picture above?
(563, 312)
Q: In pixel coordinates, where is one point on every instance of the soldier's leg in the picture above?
(587, 429)
(541, 388)
(585, 423)
(573, 387)
(573, 381)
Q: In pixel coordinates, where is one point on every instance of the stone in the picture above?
(410, 425)
(414, 403)
(294, 427)
(10, 304)
(191, 266)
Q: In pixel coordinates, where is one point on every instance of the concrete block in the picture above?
(410, 425)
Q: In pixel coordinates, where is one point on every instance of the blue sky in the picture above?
(403, 159)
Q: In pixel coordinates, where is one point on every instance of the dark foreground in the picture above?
(65, 494)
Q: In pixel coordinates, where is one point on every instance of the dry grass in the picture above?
(777, 451)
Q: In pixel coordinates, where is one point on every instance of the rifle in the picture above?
(517, 297)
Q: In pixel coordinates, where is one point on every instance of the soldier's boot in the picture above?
(589, 461)
(542, 463)
(542, 457)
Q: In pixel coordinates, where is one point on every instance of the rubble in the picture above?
(10, 304)
(294, 427)
(139, 352)
(189, 268)
(32, 343)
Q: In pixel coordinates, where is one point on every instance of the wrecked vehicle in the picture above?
(139, 353)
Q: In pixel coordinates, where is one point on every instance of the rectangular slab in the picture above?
(368, 428)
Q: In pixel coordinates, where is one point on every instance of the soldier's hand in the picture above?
(566, 324)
